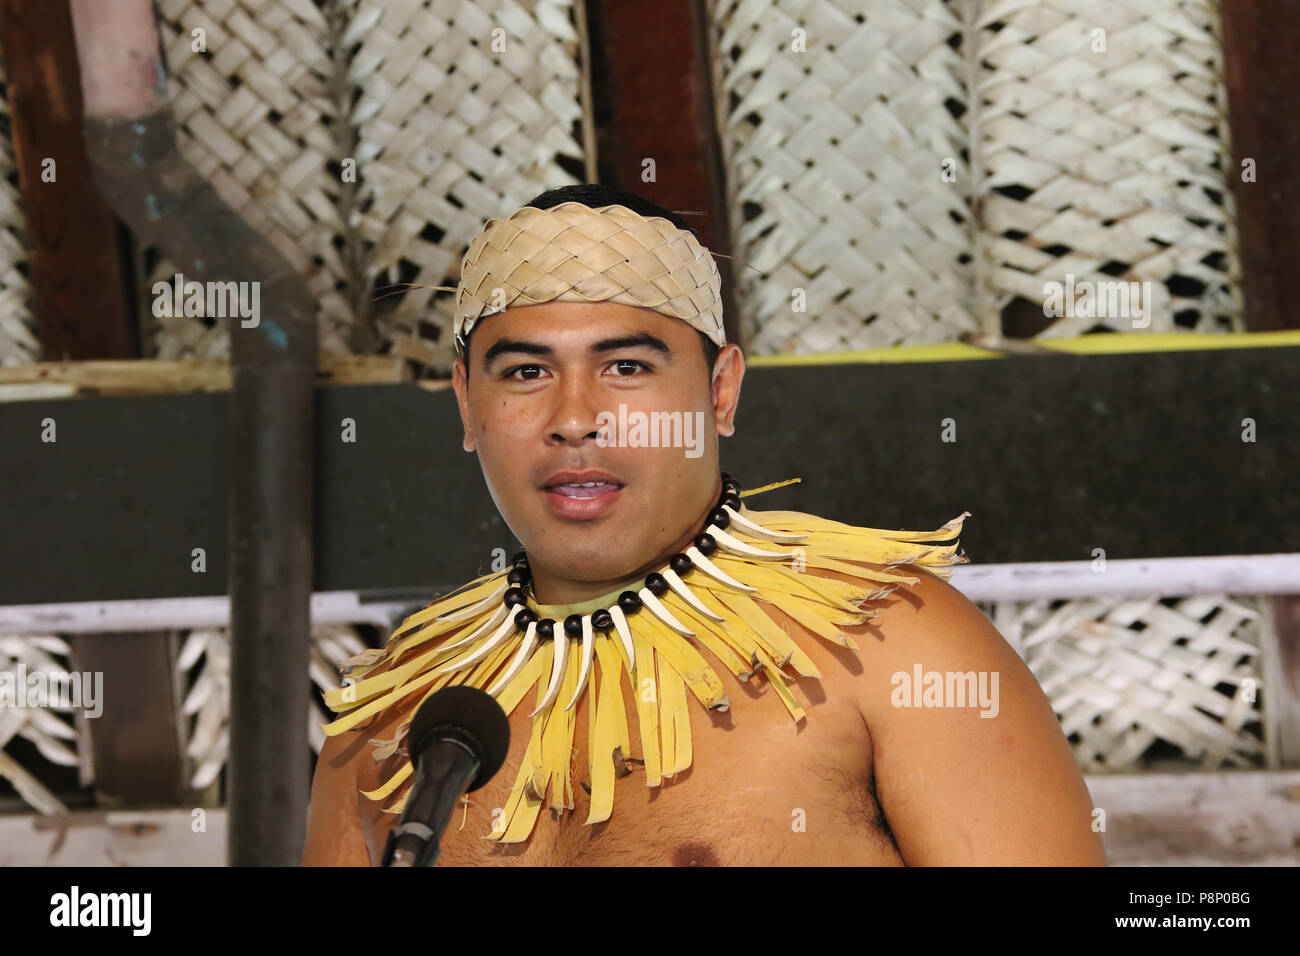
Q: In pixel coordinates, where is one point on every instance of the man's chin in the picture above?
(589, 560)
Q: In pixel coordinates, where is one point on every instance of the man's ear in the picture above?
(728, 370)
(460, 385)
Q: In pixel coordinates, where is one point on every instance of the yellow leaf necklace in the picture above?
(707, 598)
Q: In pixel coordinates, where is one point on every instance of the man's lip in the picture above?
(582, 507)
(579, 478)
(582, 489)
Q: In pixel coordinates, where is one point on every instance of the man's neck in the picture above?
(550, 588)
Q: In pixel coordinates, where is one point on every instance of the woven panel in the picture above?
(835, 159)
(928, 167)
(53, 736)
(1107, 164)
(19, 344)
(453, 131)
(369, 141)
(1130, 678)
(254, 114)
(204, 666)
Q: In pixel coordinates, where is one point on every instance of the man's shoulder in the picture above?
(338, 754)
(926, 599)
(341, 754)
(926, 621)
(334, 831)
(358, 754)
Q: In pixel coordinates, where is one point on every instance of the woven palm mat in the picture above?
(442, 130)
(203, 667)
(1125, 674)
(834, 161)
(254, 114)
(19, 344)
(1104, 164)
(52, 735)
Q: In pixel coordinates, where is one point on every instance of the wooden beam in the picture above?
(157, 376)
(115, 838)
(77, 271)
(1200, 819)
(1260, 40)
(1263, 74)
(137, 740)
(103, 618)
(1152, 819)
(1281, 690)
(653, 100)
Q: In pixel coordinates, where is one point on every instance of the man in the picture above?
(864, 713)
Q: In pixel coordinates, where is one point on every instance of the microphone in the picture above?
(457, 742)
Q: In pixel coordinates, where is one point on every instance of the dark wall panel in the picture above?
(1055, 455)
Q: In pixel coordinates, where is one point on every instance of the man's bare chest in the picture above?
(761, 790)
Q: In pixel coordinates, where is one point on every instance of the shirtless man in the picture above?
(860, 781)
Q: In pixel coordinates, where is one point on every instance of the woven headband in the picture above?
(573, 253)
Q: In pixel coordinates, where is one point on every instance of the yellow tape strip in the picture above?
(1099, 344)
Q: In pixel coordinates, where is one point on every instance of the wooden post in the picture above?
(1281, 691)
(138, 748)
(1263, 75)
(653, 100)
(78, 281)
(77, 269)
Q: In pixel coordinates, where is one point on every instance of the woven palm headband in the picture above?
(573, 253)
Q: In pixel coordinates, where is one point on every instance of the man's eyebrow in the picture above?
(632, 341)
(515, 345)
(641, 339)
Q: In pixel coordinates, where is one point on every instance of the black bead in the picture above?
(520, 560)
(706, 544)
(656, 583)
(524, 618)
(630, 602)
(681, 563)
(602, 620)
(546, 627)
(573, 625)
(731, 501)
(513, 596)
(720, 518)
(518, 577)
(728, 477)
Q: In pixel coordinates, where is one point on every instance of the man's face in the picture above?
(541, 377)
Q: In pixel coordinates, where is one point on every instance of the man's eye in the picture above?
(619, 363)
(522, 368)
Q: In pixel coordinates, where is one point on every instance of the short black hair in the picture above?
(594, 195)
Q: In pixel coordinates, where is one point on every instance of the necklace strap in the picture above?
(559, 612)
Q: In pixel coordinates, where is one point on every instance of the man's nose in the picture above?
(576, 409)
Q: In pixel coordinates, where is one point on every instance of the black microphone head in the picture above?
(469, 715)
